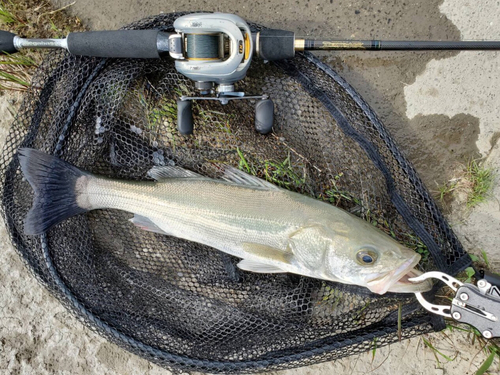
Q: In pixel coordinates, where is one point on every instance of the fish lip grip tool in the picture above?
(478, 305)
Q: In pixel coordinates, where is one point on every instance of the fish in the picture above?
(271, 229)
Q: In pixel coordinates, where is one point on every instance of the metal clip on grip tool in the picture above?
(478, 305)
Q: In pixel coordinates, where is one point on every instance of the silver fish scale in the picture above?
(218, 214)
(268, 226)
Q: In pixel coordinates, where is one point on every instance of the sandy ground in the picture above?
(441, 107)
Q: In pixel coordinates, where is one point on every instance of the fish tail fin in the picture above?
(56, 184)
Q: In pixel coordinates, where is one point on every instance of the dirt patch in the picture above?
(437, 142)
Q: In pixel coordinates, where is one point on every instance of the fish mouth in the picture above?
(397, 281)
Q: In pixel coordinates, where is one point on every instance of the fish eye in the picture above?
(366, 257)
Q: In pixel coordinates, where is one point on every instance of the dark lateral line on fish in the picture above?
(373, 154)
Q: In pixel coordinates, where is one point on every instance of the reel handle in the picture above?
(7, 43)
(184, 117)
(264, 116)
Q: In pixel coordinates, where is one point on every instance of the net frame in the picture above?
(313, 105)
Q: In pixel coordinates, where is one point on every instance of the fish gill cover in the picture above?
(183, 305)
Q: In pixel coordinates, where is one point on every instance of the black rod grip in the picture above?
(276, 44)
(7, 42)
(135, 44)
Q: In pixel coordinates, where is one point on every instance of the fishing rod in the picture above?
(215, 51)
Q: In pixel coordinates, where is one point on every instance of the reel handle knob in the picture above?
(184, 117)
(7, 43)
(264, 116)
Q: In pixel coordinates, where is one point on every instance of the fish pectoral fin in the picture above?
(167, 171)
(267, 252)
(144, 223)
(258, 267)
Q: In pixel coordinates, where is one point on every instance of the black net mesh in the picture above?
(186, 306)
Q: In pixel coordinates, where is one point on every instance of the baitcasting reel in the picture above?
(215, 50)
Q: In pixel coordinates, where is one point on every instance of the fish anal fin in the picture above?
(258, 267)
(145, 223)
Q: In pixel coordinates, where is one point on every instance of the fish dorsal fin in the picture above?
(241, 178)
(231, 175)
(167, 171)
(258, 267)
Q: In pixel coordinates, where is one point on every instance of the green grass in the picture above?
(374, 348)
(474, 180)
(283, 174)
(331, 296)
(30, 19)
(166, 110)
(469, 271)
(416, 244)
(446, 189)
(485, 258)
(400, 317)
(488, 362)
(360, 315)
(7, 16)
(481, 179)
(437, 353)
(479, 262)
(220, 120)
(244, 165)
(335, 194)
(279, 173)
(15, 72)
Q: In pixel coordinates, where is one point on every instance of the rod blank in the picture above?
(395, 45)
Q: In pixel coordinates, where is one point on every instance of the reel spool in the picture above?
(204, 47)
